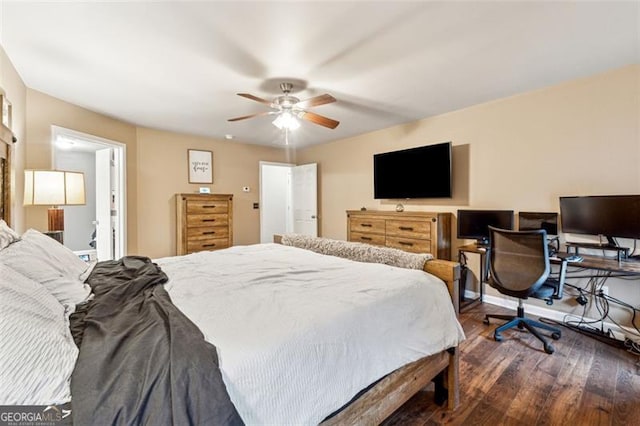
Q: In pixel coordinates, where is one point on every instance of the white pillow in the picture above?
(7, 235)
(37, 354)
(68, 260)
(46, 267)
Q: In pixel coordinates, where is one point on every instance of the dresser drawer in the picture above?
(210, 244)
(205, 233)
(207, 207)
(361, 237)
(409, 229)
(409, 244)
(194, 220)
(365, 225)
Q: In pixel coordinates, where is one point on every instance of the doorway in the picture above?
(288, 199)
(98, 228)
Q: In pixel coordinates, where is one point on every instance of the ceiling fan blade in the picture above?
(255, 98)
(315, 101)
(319, 119)
(244, 117)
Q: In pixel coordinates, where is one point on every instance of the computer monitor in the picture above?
(608, 215)
(474, 224)
(528, 221)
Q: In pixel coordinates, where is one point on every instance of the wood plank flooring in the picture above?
(514, 382)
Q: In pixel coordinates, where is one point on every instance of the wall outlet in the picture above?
(605, 290)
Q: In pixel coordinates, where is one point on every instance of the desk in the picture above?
(482, 251)
(623, 267)
(627, 267)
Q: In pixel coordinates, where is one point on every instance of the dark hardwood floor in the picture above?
(514, 382)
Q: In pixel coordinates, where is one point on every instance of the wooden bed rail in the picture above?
(449, 272)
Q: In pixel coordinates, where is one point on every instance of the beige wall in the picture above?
(16, 93)
(156, 170)
(162, 173)
(43, 111)
(521, 153)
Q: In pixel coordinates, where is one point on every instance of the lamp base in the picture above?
(56, 235)
(56, 219)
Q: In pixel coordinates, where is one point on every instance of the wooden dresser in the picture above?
(204, 222)
(417, 232)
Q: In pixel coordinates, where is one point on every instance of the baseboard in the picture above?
(539, 311)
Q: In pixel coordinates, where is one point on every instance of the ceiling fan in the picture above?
(288, 107)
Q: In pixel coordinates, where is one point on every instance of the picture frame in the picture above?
(200, 166)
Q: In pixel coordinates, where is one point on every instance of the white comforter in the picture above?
(298, 333)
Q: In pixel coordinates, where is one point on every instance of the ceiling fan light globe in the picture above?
(286, 120)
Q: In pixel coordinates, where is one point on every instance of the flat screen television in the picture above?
(529, 221)
(474, 224)
(423, 172)
(608, 215)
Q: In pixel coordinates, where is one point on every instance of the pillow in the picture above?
(52, 268)
(359, 252)
(7, 235)
(37, 355)
(68, 260)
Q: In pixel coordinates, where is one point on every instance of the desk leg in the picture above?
(562, 275)
(482, 272)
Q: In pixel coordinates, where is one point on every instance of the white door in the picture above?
(275, 200)
(104, 232)
(304, 184)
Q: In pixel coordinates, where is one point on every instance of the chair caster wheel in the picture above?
(555, 336)
(497, 338)
(486, 321)
(548, 349)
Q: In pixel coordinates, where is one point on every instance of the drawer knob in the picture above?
(366, 238)
(209, 207)
(208, 220)
(208, 245)
(366, 225)
(404, 243)
(406, 228)
(208, 232)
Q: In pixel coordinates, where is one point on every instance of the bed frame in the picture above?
(382, 399)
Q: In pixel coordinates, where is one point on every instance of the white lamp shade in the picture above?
(53, 188)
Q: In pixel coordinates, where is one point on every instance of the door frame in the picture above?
(120, 151)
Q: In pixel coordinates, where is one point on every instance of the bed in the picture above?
(268, 371)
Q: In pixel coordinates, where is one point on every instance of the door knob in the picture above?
(313, 216)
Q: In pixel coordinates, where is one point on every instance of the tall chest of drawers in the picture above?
(203, 222)
(416, 232)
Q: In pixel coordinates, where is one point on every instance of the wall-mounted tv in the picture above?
(423, 172)
(474, 224)
(608, 215)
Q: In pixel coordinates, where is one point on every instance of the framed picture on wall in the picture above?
(200, 166)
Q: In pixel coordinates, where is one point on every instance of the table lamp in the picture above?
(54, 188)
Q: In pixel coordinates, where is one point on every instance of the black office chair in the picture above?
(519, 267)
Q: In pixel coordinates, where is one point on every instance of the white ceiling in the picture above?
(178, 65)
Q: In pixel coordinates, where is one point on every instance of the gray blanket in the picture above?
(143, 362)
